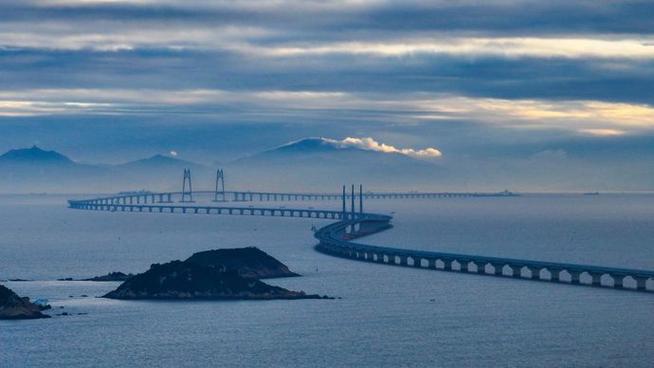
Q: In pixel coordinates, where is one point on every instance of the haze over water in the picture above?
(388, 316)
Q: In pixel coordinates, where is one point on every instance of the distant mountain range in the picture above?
(34, 156)
(306, 164)
(33, 170)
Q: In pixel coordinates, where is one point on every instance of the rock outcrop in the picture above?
(250, 262)
(13, 306)
(111, 276)
(189, 280)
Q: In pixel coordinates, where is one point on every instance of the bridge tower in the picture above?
(353, 227)
(361, 199)
(352, 197)
(187, 188)
(344, 211)
(219, 194)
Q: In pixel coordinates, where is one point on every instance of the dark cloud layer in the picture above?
(555, 78)
(336, 21)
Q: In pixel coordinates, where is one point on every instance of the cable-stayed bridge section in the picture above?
(145, 197)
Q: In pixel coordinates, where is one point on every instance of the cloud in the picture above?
(599, 132)
(477, 46)
(588, 117)
(253, 40)
(367, 143)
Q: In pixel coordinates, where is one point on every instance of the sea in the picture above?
(383, 316)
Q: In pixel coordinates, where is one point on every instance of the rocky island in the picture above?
(13, 306)
(212, 275)
(250, 262)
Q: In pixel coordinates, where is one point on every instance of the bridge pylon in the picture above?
(352, 197)
(361, 199)
(343, 217)
(187, 187)
(219, 193)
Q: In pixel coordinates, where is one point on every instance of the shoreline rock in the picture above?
(14, 307)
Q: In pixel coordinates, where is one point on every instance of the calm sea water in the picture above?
(387, 317)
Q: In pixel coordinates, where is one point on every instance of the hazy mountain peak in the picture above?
(310, 144)
(34, 155)
(319, 162)
(160, 161)
(321, 144)
(161, 158)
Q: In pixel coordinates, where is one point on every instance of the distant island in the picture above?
(111, 276)
(212, 275)
(13, 306)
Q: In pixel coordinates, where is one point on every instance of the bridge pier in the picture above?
(596, 279)
(574, 277)
(498, 269)
(481, 267)
(555, 275)
(516, 271)
(463, 266)
(618, 281)
(641, 283)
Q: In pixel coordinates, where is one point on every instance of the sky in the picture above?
(541, 93)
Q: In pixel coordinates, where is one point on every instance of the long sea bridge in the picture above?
(336, 239)
(144, 197)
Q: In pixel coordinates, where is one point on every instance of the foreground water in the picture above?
(387, 316)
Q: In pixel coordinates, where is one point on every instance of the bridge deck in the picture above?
(250, 196)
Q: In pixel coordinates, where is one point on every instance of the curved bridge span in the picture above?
(336, 239)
